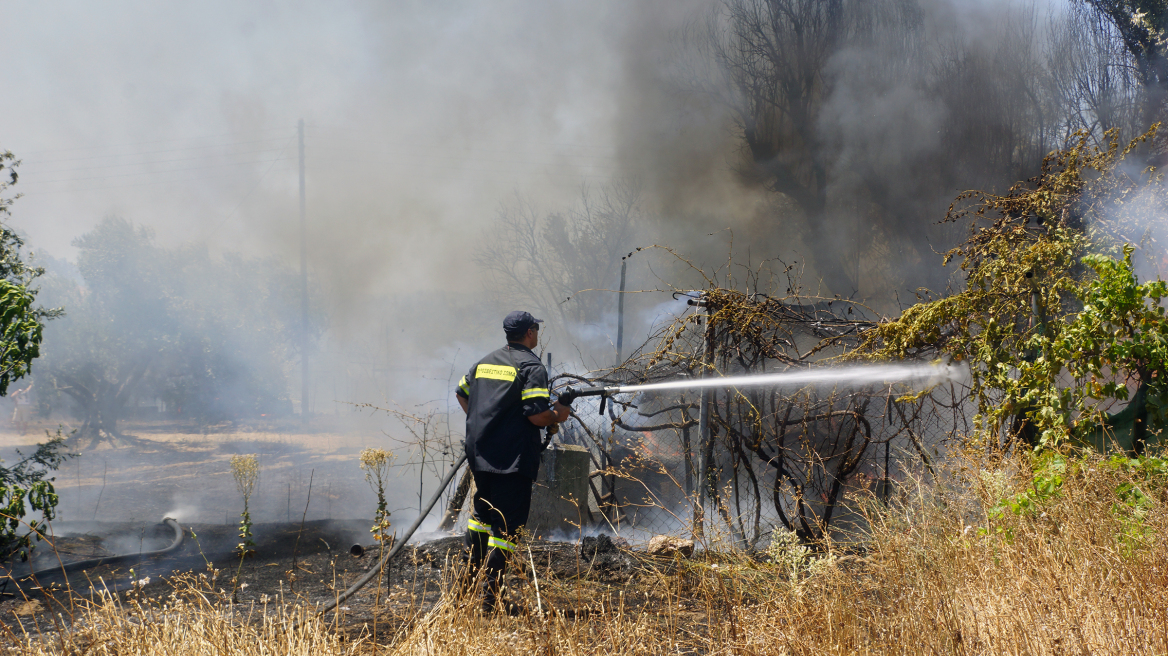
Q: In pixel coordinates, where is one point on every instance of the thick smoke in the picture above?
(423, 119)
(908, 104)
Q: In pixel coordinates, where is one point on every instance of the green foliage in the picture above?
(20, 332)
(1147, 479)
(25, 487)
(1121, 328)
(21, 322)
(1044, 301)
(1137, 485)
(1045, 485)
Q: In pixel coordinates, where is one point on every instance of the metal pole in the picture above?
(887, 450)
(704, 422)
(303, 288)
(620, 316)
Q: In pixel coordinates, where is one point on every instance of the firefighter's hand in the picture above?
(567, 396)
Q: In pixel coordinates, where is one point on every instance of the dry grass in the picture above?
(1082, 572)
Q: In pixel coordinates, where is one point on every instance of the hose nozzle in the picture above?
(571, 394)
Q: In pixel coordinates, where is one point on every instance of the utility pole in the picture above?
(620, 315)
(303, 289)
(704, 444)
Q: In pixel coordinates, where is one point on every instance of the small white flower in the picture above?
(344, 608)
(242, 586)
(142, 582)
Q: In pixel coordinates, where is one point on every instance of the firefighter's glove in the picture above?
(567, 396)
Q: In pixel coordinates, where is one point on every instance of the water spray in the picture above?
(926, 374)
(929, 374)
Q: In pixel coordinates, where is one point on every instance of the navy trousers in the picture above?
(501, 505)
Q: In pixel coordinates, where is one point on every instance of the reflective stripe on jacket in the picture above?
(502, 391)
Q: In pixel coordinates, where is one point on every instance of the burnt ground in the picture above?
(311, 471)
(574, 578)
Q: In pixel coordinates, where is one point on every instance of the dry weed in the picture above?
(961, 568)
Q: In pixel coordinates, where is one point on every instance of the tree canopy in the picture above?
(27, 485)
(212, 335)
(21, 322)
(1052, 320)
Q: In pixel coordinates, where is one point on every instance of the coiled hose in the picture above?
(405, 537)
(65, 568)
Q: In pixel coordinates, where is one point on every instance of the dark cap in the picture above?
(519, 322)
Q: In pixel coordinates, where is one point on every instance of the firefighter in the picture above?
(506, 401)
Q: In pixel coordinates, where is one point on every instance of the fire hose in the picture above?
(571, 394)
(376, 569)
(565, 398)
(65, 568)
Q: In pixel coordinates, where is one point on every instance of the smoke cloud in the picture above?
(423, 118)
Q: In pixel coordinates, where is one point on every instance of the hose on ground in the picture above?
(405, 537)
(65, 568)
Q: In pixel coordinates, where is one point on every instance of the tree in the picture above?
(237, 321)
(117, 326)
(1093, 77)
(866, 124)
(542, 261)
(26, 485)
(21, 323)
(211, 336)
(1143, 27)
(1053, 322)
(775, 57)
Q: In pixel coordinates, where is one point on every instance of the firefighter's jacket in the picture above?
(502, 391)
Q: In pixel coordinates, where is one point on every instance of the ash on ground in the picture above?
(310, 563)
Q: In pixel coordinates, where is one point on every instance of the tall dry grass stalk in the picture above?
(246, 471)
(376, 464)
(942, 571)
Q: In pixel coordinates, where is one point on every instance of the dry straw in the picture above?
(941, 570)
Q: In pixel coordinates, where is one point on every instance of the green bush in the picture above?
(27, 488)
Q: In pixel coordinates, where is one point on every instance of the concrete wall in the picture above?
(561, 491)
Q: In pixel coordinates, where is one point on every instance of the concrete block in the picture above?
(561, 491)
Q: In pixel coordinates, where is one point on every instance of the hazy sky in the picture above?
(420, 116)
